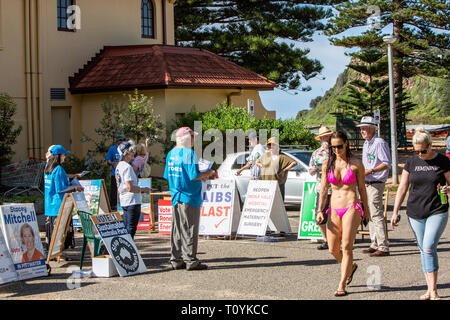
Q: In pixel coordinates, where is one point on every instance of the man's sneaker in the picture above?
(198, 266)
(322, 246)
(179, 266)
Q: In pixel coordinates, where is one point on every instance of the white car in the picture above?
(296, 176)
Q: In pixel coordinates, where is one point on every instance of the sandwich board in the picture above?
(96, 197)
(263, 209)
(307, 228)
(72, 203)
(220, 211)
(7, 271)
(165, 211)
(119, 244)
(21, 236)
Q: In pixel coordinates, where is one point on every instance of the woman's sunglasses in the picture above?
(339, 146)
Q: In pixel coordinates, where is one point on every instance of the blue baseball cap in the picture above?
(58, 149)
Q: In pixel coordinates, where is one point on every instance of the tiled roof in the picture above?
(157, 66)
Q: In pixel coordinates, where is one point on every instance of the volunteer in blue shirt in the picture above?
(56, 183)
(113, 158)
(185, 184)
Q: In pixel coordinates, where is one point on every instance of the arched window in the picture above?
(147, 28)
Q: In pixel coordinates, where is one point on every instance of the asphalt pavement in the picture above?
(246, 269)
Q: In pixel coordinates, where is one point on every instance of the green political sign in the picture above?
(307, 228)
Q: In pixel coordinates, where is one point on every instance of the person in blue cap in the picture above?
(113, 158)
(56, 184)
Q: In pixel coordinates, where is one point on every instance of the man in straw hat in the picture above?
(315, 168)
(377, 161)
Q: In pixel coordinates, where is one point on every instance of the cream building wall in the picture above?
(35, 56)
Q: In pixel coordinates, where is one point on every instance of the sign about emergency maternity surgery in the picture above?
(220, 212)
(119, 243)
(308, 229)
(263, 208)
(21, 235)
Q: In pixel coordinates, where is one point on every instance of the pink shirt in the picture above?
(140, 161)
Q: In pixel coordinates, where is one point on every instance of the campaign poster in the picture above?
(257, 207)
(7, 270)
(92, 193)
(146, 206)
(308, 229)
(21, 232)
(218, 208)
(119, 243)
(165, 211)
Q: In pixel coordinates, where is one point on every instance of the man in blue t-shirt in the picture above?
(185, 184)
(113, 158)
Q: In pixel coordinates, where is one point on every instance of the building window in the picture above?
(63, 15)
(147, 28)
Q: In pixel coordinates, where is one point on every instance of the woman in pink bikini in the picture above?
(345, 173)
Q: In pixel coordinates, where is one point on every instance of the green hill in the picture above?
(432, 96)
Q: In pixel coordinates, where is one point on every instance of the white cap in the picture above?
(367, 121)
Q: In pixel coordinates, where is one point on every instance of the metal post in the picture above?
(392, 112)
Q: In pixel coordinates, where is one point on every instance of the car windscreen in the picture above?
(302, 156)
(240, 161)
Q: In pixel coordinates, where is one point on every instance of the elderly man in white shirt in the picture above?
(257, 151)
(377, 161)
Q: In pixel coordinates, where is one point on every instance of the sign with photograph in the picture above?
(96, 198)
(119, 244)
(220, 212)
(21, 234)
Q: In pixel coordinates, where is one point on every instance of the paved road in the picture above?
(247, 269)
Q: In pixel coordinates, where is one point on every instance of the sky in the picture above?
(334, 62)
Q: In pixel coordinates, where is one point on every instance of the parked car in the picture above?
(296, 176)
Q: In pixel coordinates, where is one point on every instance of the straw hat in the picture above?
(323, 131)
(272, 140)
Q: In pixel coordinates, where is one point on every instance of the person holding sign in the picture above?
(275, 166)
(27, 237)
(185, 184)
(128, 187)
(257, 151)
(345, 173)
(315, 168)
(56, 184)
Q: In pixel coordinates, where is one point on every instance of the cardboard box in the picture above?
(103, 266)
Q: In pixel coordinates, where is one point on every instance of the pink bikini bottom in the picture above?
(341, 212)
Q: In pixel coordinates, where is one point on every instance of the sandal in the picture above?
(350, 278)
(340, 293)
(425, 296)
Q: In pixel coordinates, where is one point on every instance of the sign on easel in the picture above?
(71, 202)
(263, 209)
(7, 271)
(307, 228)
(220, 212)
(96, 197)
(21, 234)
(119, 244)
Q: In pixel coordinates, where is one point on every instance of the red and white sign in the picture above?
(165, 210)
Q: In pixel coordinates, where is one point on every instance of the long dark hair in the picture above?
(52, 162)
(332, 157)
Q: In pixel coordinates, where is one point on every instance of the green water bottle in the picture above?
(443, 196)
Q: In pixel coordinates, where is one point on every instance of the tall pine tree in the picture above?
(259, 35)
(422, 45)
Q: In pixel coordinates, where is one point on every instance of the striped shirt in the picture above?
(376, 152)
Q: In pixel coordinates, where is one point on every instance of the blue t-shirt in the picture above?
(181, 170)
(54, 183)
(113, 155)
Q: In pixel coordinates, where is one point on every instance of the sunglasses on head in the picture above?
(339, 146)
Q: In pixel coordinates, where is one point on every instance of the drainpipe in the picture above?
(40, 81)
(30, 144)
(238, 93)
(164, 10)
(33, 76)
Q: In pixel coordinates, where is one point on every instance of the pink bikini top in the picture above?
(347, 179)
